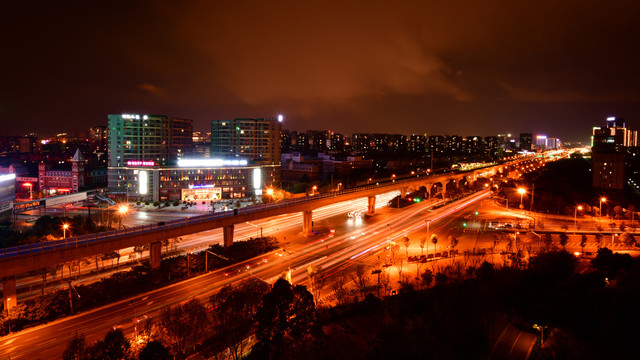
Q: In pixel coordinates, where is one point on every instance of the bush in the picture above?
(176, 203)
(138, 203)
(146, 203)
(156, 203)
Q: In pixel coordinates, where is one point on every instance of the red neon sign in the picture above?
(140, 163)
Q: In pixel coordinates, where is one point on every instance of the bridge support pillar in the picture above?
(155, 252)
(228, 236)
(154, 255)
(307, 223)
(371, 208)
(9, 292)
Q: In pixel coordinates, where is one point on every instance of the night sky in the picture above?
(435, 67)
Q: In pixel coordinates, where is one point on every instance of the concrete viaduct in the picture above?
(27, 258)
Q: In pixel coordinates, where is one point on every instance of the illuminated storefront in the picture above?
(192, 180)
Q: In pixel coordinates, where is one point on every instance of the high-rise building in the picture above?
(254, 140)
(526, 140)
(615, 135)
(157, 138)
(609, 146)
(99, 143)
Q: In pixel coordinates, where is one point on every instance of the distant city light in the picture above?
(611, 118)
(210, 163)
(280, 118)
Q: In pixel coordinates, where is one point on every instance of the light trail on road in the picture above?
(329, 252)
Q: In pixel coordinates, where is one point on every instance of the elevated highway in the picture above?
(33, 257)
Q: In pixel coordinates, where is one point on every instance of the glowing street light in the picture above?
(575, 216)
(270, 191)
(521, 191)
(122, 210)
(30, 186)
(65, 226)
(602, 199)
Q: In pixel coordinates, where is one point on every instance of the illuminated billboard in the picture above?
(7, 194)
(143, 182)
(210, 163)
(140, 163)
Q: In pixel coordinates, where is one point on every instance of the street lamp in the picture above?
(521, 191)
(30, 186)
(65, 226)
(575, 216)
(427, 239)
(541, 329)
(602, 199)
(122, 210)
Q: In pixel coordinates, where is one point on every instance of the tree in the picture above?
(598, 238)
(285, 310)
(622, 226)
(316, 281)
(338, 288)
(427, 277)
(583, 242)
(628, 239)
(184, 326)
(234, 313)
(434, 241)
(384, 280)
(154, 350)
(116, 345)
(563, 240)
(441, 278)
(453, 242)
(423, 241)
(485, 271)
(77, 348)
(361, 278)
(406, 243)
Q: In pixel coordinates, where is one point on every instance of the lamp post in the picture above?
(64, 230)
(521, 191)
(427, 240)
(575, 216)
(122, 210)
(30, 186)
(602, 199)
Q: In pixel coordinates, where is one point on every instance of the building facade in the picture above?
(254, 140)
(157, 138)
(57, 182)
(195, 180)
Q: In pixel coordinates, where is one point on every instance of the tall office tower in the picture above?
(609, 148)
(526, 140)
(614, 136)
(99, 142)
(157, 138)
(254, 140)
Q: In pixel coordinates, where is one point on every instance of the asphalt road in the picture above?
(352, 243)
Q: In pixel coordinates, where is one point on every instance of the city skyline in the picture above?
(440, 69)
